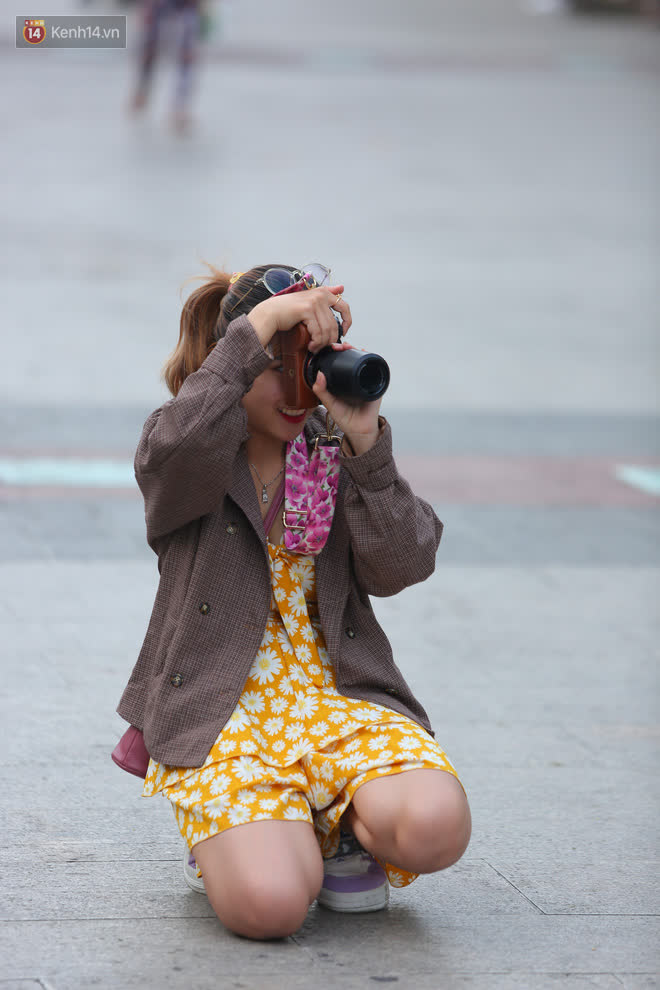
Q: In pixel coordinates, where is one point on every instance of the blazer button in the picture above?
(205, 608)
(176, 680)
(350, 632)
(391, 691)
(231, 528)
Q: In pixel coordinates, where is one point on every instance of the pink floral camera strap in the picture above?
(310, 493)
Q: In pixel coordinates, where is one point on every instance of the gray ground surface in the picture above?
(486, 183)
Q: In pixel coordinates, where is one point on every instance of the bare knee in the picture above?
(263, 908)
(434, 832)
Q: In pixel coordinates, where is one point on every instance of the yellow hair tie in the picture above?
(235, 277)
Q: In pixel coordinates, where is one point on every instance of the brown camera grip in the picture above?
(293, 348)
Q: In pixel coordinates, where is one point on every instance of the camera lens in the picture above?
(371, 378)
(350, 374)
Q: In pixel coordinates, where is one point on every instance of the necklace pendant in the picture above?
(264, 494)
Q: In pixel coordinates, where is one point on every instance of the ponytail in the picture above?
(204, 318)
(197, 329)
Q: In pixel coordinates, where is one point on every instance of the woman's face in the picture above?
(268, 415)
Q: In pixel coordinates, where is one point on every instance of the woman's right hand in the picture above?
(313, 308)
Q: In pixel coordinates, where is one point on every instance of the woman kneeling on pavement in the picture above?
(299, 765)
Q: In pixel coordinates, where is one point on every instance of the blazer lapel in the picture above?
(242, 492)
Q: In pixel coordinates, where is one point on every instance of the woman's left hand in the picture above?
(358, 423)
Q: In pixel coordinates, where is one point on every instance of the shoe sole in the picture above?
(357, 903)
(194, 882)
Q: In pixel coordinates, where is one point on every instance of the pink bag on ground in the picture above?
(131, 754)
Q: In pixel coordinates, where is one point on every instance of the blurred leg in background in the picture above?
(187, 23)
(189, 31)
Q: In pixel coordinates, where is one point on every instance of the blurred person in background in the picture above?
(189, 19)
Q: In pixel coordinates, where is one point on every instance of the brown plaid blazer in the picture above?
(212, 603)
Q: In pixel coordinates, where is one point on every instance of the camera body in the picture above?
(351, 375)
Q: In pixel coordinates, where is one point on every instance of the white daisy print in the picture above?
(349, 762)
(296, 673)
(238, 815)
(246, 769)
(296, 815)
(273, 726)
(245, 796)
(239, 719)
(327, 771)
(304, 571)
(252, 701)
(303, 707)
(303, 653)
(294, 731)
(217, 807)
(378, 742)
(296, 602)
(307, 633)
(278, 746)
(283, 639)
(396, 879)
(322, 797)
(292, 626)
(295, 753)
(319, 728)
(220, 784)
(278, 705)
(268, 804)
(353, 745)
(266, 665)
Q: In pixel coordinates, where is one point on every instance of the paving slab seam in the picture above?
(600, 914)
(517, 889)
(36, 980)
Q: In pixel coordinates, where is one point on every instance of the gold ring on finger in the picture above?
(338, 299)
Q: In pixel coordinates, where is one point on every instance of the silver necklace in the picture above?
(265, 484)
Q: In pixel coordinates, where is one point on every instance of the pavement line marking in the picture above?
(67, 471)
(645, 479)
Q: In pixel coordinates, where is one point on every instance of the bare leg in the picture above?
(261, 877)
(188, 27)
(152, 15)
(417, 820)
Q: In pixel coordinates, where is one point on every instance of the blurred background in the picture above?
(483, 177)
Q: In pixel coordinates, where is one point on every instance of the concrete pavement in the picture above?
(485, 183)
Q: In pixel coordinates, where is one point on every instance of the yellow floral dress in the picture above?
(294, 748)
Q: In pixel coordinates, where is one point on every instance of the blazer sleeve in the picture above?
(185, 456)
(394, 534)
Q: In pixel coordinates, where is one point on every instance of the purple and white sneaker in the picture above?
(352, 879)
(190, 872)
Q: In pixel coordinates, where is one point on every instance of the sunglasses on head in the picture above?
(277, 279)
